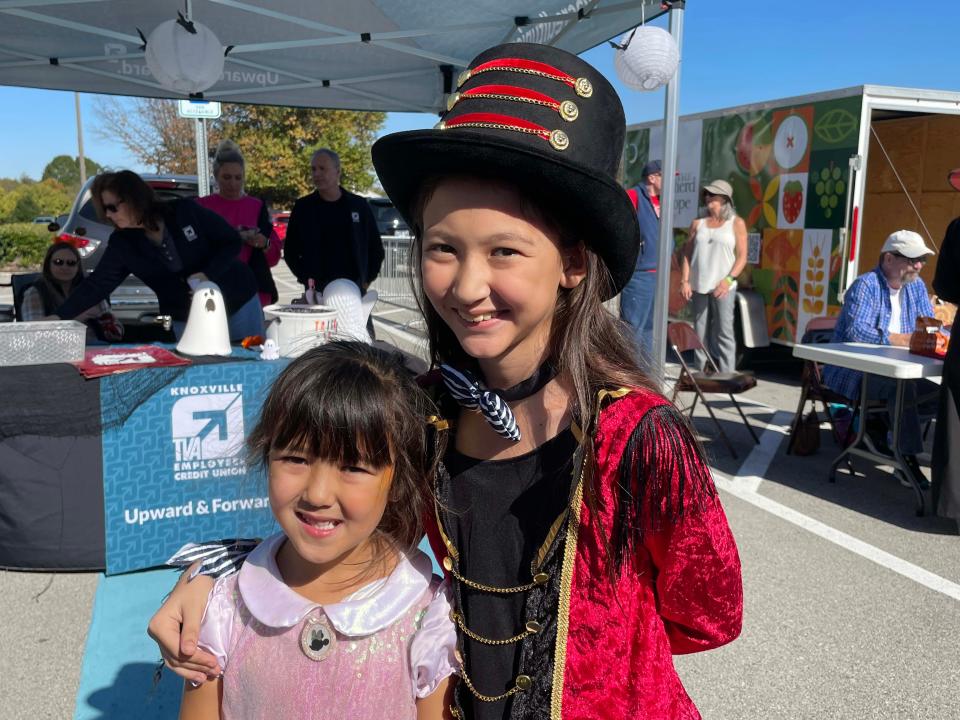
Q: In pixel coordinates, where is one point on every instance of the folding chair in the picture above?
(812, 389)
(682, 338)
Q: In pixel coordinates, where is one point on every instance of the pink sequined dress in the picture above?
(382, 647)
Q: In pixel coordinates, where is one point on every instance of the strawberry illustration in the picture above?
(792, 200)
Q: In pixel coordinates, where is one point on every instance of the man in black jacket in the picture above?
(332, 233)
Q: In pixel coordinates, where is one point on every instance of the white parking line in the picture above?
(840, 538)
(751, 472)
(746, 483)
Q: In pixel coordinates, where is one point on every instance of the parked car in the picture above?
(133, 302)
(280, 221)
(395, 234)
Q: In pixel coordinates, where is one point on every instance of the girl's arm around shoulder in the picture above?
(669, 504)
(432, 661)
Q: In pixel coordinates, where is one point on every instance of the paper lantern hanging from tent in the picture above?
(646, 58)
(184, 61)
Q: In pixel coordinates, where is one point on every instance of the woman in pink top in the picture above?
(261, 246)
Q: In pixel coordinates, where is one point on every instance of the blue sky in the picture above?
(734, 52)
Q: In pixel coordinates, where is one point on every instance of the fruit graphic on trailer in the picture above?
(754, 146)
(829, 188)
(790, 144)
(792, 200)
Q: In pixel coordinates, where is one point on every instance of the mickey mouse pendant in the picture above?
(317, 639)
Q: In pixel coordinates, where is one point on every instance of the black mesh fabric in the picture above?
(57, 401)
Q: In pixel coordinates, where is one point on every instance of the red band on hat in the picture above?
(511, 91)
(582, 86)
(557, 138)
(568, 109)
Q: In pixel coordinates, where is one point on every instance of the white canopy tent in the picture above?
(390, 55)
(395, 55)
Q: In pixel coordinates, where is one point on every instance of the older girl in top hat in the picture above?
(575, 512)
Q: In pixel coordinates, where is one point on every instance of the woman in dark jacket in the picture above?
(946, 443)
(170, 247)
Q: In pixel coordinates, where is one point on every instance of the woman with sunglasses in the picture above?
(62, 273)
(170, 246)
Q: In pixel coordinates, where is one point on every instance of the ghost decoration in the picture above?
(206, 332)
(353, 311)
(269, 350)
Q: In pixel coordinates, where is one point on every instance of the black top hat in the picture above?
(541, 118)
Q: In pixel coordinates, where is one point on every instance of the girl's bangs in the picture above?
(347, 427)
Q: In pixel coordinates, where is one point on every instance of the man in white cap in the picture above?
(881, 307)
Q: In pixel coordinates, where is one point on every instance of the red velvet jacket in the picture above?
(677, 591)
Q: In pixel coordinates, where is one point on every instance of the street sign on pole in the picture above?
(199, 109)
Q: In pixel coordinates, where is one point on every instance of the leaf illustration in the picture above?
(817, 307)
(778, 315)
(778, 299)
(818, 276)
(769, 214)
(816, 251)
(807, 306)
(808, 289)
(819, 263)
(791, 302)
(790, 282)
(835, 126)
(772, 189)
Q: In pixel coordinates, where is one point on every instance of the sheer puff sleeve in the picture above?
(433, 645)
(216, 628)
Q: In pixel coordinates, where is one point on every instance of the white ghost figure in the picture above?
(206, 332)
(353, 311)
(269, 350)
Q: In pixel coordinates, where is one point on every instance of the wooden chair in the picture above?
(682, 337)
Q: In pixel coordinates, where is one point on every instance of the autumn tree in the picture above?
(277, 142)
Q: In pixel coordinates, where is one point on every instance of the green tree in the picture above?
(29, 199)
(277, 143)
(66, 171)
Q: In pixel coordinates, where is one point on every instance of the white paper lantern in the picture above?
(649, 60)
(182, 61)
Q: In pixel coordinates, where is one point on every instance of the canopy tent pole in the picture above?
(661, 302)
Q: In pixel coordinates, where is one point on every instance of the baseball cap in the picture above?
(720, 187)
(906, 243)
(652, 168)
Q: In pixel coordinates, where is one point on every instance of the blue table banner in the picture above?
(175, 470)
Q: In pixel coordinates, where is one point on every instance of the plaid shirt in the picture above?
(864, 318)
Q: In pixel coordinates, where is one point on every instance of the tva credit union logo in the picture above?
(207, 431)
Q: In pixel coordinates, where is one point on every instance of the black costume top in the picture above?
(330, 240)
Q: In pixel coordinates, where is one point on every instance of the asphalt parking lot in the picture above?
(852, 602)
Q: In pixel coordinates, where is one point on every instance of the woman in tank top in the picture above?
(713, 257)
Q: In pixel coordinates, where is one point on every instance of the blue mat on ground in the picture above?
(119, 660)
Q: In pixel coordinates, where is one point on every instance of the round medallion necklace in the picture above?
(317, 639)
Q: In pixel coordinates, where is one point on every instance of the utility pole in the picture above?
(80, 158)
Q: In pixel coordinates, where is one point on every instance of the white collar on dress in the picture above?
(364, 612)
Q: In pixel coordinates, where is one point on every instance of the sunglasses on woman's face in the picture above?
(60, 261)
(112, 207)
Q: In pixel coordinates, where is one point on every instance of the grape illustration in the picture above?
(829, 187)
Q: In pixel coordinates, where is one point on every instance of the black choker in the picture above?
(532, 385)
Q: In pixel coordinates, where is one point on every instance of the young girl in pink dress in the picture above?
(339, 615)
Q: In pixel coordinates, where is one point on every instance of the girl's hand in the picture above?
(686, 292)
(176, 626)
(722, 288)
